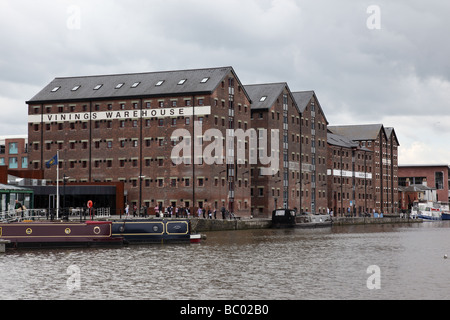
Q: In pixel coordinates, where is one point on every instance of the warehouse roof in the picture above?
(303, 98)
(358, 132)
(264, 96)
(181, 82)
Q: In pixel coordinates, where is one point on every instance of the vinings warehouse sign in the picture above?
(119, 115)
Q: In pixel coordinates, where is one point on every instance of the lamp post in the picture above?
(64, 191)
(220, 186)
(140, 193)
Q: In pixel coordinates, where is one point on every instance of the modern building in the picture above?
(127, 127)
(383, 163)
(14, 152)
(434, 176)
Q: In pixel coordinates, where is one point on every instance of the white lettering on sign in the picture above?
(119, 115)
(349, 174)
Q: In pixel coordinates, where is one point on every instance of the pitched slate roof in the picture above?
(415, 188)
(264, 96)
(358, 132)
(303, 98)
(271, 91)
(198, 81)
(340, 141)
(389, 132)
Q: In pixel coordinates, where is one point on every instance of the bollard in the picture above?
(3, 245)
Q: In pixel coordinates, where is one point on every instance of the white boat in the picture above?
(426, 211)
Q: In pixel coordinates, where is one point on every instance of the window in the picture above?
(55, 89)
(13, 164)
(160, 82)
(439, 179)
(135, 84)
(119, 85)
(182, 81)
(204, 80)
(24, 162)
(263, 99)
(76, 88)
(98, 86)
(13, 148)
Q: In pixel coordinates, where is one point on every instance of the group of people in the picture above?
(181, 212)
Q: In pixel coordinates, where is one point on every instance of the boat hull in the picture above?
(285, 218)
(152, 231)
(430, 218)
(445, 216)
(58, 234)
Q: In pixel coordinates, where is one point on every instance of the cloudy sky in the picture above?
(368, 61)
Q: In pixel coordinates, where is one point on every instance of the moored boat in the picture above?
(445, 215)
(31, 234)
(154, 230)
(287, 218)
(427, 211)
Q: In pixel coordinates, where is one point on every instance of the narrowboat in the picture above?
(55, 234)
(288, 218)
(153, 230)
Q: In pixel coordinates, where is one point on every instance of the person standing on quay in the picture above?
(223, 212)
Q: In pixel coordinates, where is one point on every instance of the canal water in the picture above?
(343, 262)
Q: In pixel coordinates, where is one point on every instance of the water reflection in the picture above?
(250, 264)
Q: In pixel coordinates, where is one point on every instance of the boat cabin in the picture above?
(283, 216)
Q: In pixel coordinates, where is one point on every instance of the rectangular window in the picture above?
(439, 179)
(13, 148)
(13, 164)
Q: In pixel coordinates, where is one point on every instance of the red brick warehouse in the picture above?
(118, 128)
